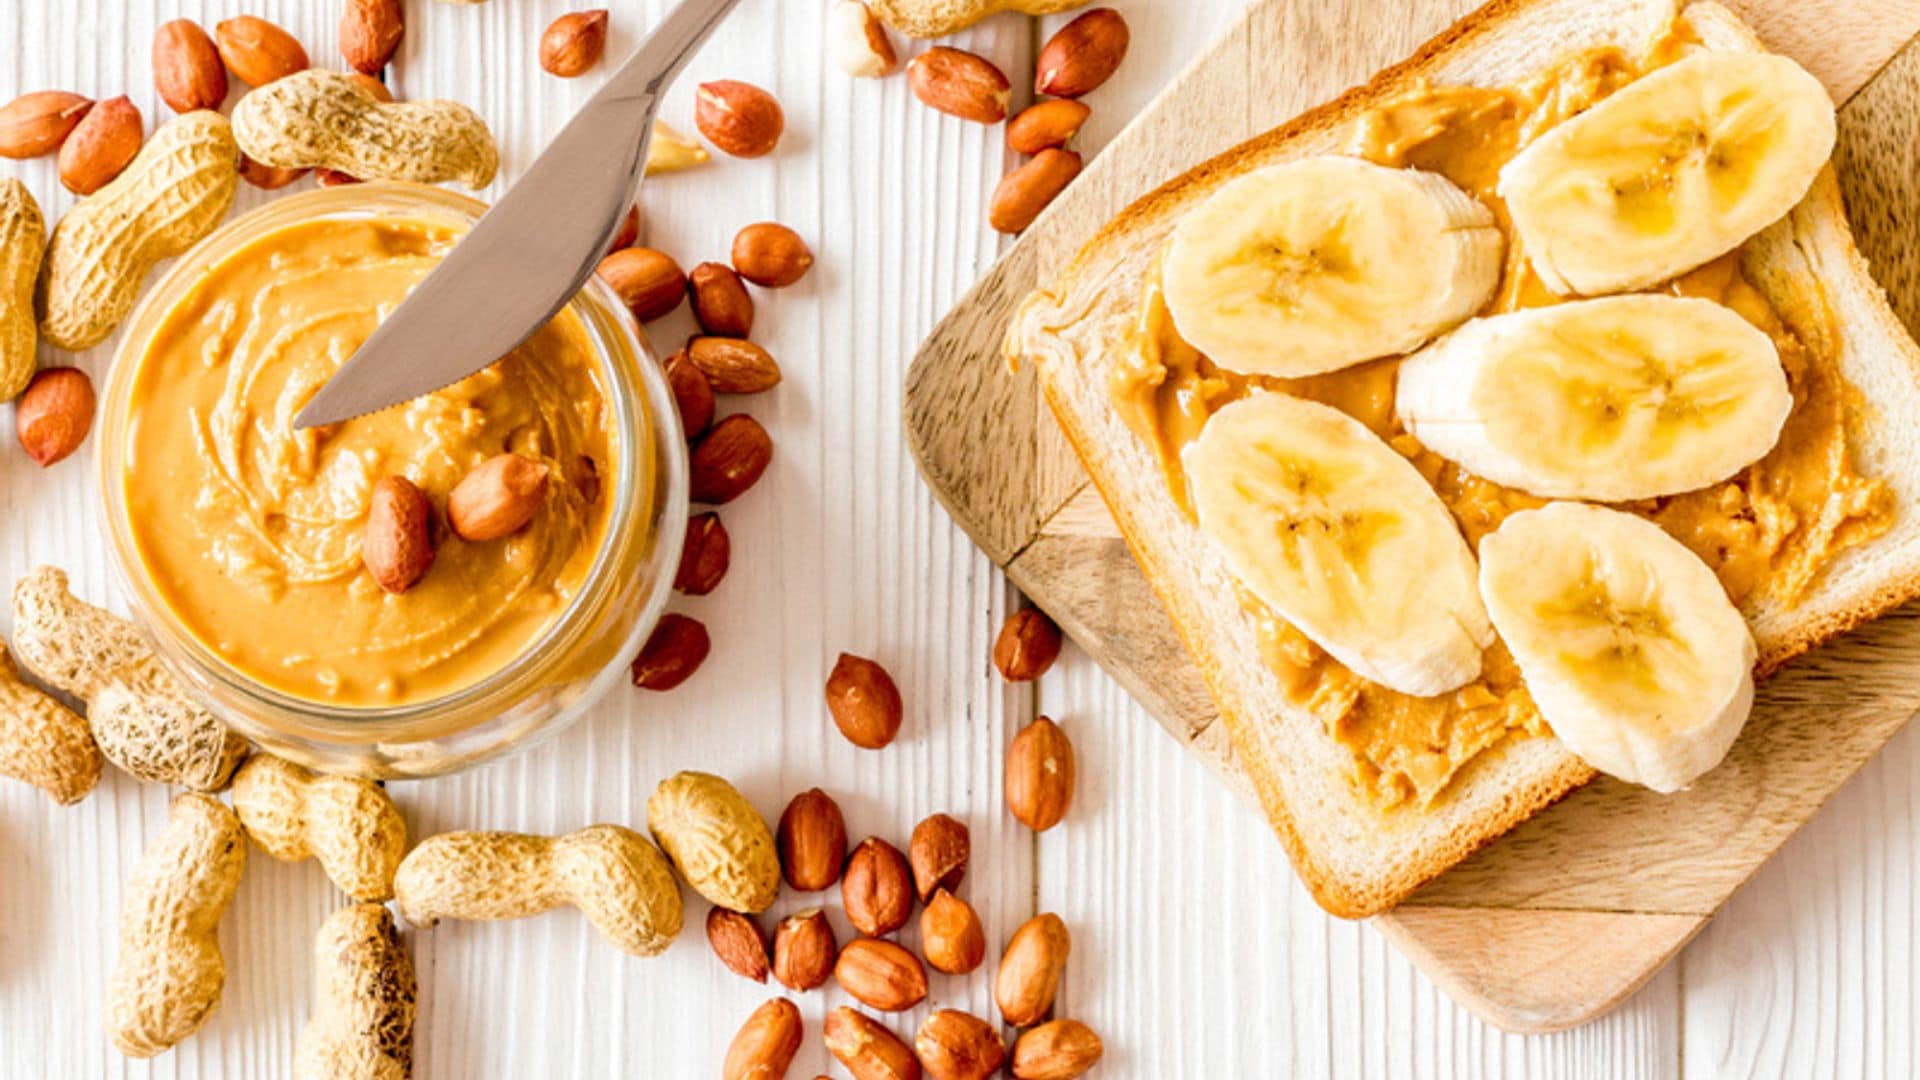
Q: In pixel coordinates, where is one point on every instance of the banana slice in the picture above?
(1679, 166)
(1319, 264)
(1625, 639)
(1624, 397)
(1338, 534)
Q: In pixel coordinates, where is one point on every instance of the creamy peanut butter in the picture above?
(251, 530)
(1768, 532)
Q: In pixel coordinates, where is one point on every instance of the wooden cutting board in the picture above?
(1564, 917)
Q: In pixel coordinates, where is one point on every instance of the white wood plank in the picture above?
(1196, 942)
(1814, 968)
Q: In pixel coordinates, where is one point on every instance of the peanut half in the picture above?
(858, 41)
(326, 120)
(169, 975)
(612, 874)
(364, 997)
(176, 190)
(349, 824)
(23, 242)
(672, 151)
(42, 741)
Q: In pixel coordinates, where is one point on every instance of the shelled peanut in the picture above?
(612, 874)
(370, 33)
(364, 996)
(175, 191)
(766, 1044)
(1039, 775)
(1030, 970)
(675, 649)
(953, 1045)
(142, 719)
(38, 122)
(739, 118)
(572, 43)
(736, 939)
(258, 51)
(101, 145)
(187, 69)
(867, 1048)
(350, 825)
(864, 701)
(1056, 1050)
(169, 975)
(53, 416)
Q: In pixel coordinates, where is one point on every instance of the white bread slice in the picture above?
(1356, 859)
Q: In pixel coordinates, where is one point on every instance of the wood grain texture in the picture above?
(1599, 850)
(1197, 953)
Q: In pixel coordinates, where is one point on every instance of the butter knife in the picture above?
(529, 254)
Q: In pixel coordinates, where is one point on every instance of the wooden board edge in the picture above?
(1534, 972)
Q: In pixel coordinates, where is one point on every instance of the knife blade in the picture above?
(529, 254)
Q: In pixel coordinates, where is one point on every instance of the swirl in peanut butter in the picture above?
(251, 530)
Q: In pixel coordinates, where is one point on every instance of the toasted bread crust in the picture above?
(1549, 771)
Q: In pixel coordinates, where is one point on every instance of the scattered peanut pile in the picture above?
(141, 204)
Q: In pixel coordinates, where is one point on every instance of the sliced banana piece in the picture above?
(1625, 639)
(1623, 397)
(1341, 537)
(1678, 167)
(1322, 263)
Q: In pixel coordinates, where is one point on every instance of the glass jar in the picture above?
(558, 674)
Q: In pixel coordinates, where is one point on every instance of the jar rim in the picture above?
(650, 484)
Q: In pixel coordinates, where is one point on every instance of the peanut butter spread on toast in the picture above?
(1768, 532)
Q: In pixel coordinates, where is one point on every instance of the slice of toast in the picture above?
(1356, 858)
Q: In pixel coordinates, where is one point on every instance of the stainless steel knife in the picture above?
(529, 254)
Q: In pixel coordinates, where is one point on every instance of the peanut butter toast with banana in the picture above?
(1497, 423)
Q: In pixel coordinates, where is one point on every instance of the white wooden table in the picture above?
(1196, 954)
